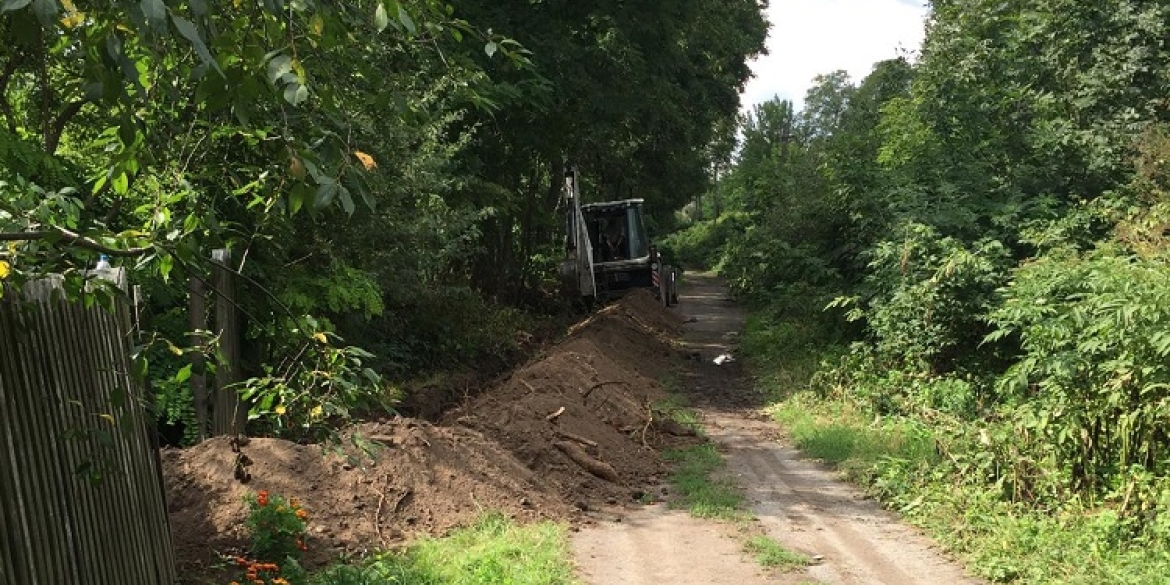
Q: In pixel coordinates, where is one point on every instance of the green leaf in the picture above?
(278, 66)
(346, 200)
(189, 32)
(326, 191)
(381, 19)
(14, 5)
(296, 199)
(406, 20)
(155, 12)
(295, 93)
(183, 374)
(166, 263)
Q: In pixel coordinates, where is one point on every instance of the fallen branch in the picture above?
(590, 390)
(594, 466)
(577, 438)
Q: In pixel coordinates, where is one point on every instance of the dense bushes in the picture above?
(703, 244)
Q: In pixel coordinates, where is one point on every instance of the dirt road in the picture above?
(798, 502)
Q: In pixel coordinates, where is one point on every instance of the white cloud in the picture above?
(810, 37)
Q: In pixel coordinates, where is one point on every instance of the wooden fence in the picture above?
(81, 494)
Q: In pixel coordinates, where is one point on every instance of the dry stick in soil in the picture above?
(587, 392)
(578, 438)
(595, 466)
(553, 417)
(649, 421)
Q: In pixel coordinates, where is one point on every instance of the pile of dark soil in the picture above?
(574, 429)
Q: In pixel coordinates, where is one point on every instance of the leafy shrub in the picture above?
(311, 397)
(758, 266)
(703, 244)
(1091, 391)
(276, 525)
(277, 530)
(928, 296)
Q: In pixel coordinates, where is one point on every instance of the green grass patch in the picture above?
(679, 410)
(770, 553)
(703, 494)
(855, 442)
(494, 550)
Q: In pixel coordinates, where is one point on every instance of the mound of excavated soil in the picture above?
(572, 429)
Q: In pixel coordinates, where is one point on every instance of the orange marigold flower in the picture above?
(295, 503)
(241, 561)
(280, 581)
(262, 498)
(303, 515)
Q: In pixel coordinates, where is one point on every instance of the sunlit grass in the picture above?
(494, 550)
(703, 494)
(770, 553)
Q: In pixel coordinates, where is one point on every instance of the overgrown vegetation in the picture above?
(957, 269)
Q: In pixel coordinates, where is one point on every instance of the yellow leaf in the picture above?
(367, 161)
(109, 418)
(174, 349)
(280, 409)
(320, 337)
(74, 17)
(317, 24)
(317, 411)
(5, 270)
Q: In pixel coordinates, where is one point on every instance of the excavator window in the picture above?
(616, 233)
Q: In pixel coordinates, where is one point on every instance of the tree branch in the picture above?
(46, 90)
(53, 139)
(5, 77)
(75, 239)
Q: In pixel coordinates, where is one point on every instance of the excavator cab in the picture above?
(621, 250)
(608, 251)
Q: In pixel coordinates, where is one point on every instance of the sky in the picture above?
(810, 37)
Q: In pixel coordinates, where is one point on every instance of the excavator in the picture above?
(607, 250)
